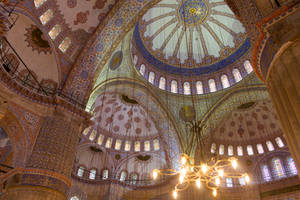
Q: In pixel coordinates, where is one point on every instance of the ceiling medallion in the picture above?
(192, 12)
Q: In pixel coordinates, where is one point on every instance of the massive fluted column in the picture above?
(283, 82)
(48, 170)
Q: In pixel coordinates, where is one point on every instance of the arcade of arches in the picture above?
(96, 94)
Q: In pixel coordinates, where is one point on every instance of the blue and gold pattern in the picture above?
(193, 11)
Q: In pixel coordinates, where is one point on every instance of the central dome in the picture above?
(193, 12)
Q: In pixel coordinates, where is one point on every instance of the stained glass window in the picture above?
(137, 146)
(156, 144)
(270, 145)
(38, 3)
(135, 59)
(74, 198)
(213, 148)
(147, 145)
(100, 139)
(108, 143)
(118, 144)
(55, 31)
(292, 166)
(151, 77)
(123, 176)
(142, 69)
(278, 169)
(199, 87)
(237, 75)
(242, 181)
(134, 178)
(127, 145)
(174, 88)
(229, 182)
(64, 45)
(46, 17)
(230, 150)
(87, 130)
(221, 149)
(240, 151)
(162, 83)
(212, 85)
(225, 81)
(105, 174)
(260, 148)
(279, 142)
(266, 173)
(186, 88)
(250, 150)
(92, 174)
(248, 66)
(80, 171)
(93, 135)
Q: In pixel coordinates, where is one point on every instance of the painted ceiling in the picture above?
(190, 36)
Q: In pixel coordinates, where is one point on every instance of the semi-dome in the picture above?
(189, 39)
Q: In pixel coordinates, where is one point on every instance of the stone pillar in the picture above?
(48, 170)
(283, 82)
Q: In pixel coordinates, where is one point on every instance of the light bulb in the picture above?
(234, 163)
(198, 183)
(183, 160)
(221, 172)
(183, 171)
(175, 194)
(204, 168)
(247, 178)
(218, 181)
(181, 179)
(154, 174)
(214, 192)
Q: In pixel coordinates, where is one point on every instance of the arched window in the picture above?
(186, 88)
(151, 77)
(46, 17)
(229, 182)
(118, 144)
(142, 69)
(248, 66)
(242, 181)
(74, 198)
(240, 151)
(64, 45)
(55, 31)
(108, 143)
(213, 148)
(135, 59)
(212, 85)
(134, 178)
(137, 146)
(147, 146)
(270, 145)
(105, 174)
(279, 142)
(230, 150)
(156, 144)
(80, 171)
(225, 81)
(100, 139)
(199, 87)
(127, 145)
(123, 176)
(266, 173)
(292, 166)
(87, 130)
(93, 135)
(260, 148)
(221, 149)
(278, 169)
(92, 174)
(250, 150)
(174, 87)
(38, 3)
(237, 75)
(162, 83)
